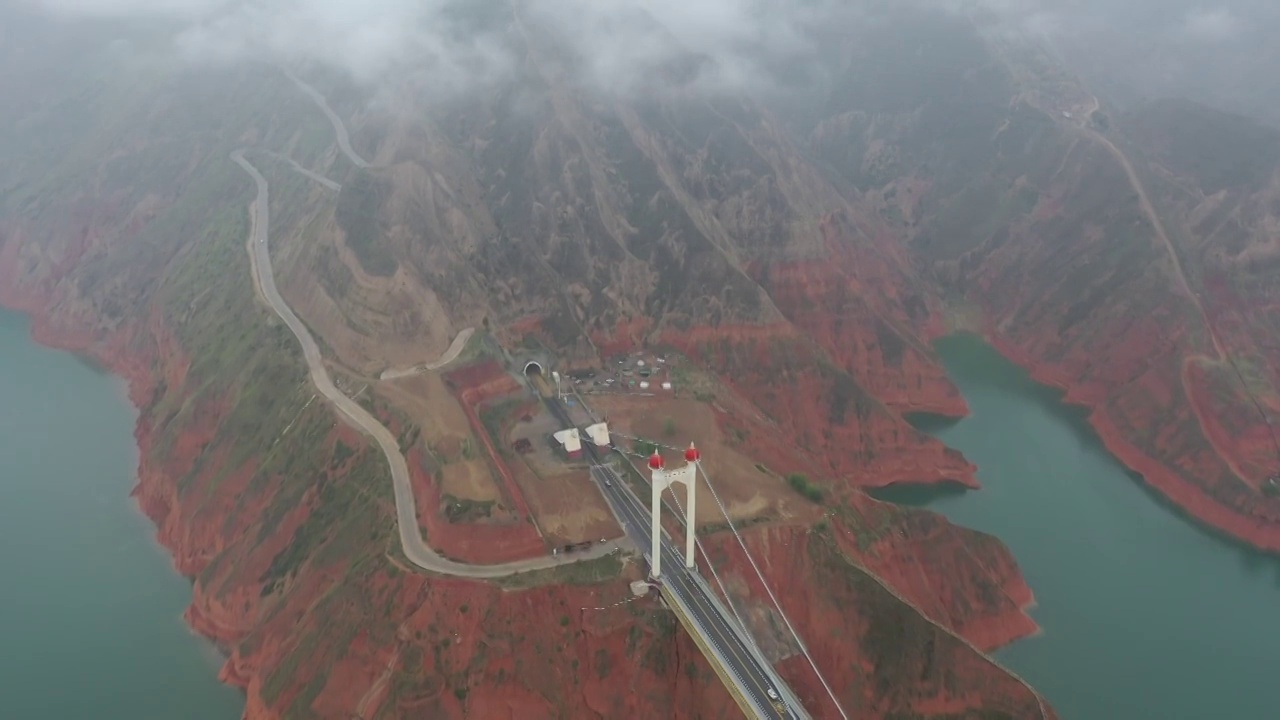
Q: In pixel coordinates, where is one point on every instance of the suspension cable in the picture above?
(680, 514)
(742, 543)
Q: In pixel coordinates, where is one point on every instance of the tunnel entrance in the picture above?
(538, 381)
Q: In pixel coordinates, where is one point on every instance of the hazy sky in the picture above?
(1150, 40)
(371, 37)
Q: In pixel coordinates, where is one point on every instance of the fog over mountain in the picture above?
(1220, 53)
(454, 40)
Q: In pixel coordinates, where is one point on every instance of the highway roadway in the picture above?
(415, 548)
(720, 633)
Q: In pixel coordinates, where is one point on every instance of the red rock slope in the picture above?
(295, 572)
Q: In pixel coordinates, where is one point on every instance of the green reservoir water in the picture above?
(1145, 614)
(90, 607)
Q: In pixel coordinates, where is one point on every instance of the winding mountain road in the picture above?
(1219, 347)
(1150, 211)
(339, 128)
(415, 548)
(455, 349)
(313, 175)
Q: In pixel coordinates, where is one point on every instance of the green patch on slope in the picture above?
(247, 375)
(347, 597)
(359, 203)
(465, 510)
(587, 572)
(241, 357)
(805, 487)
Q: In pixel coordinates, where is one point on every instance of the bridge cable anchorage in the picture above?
(741, 543)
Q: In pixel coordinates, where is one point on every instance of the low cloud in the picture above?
(726, 44)
(1213, 25)
(128, 8)
(369, 39)
(616, 44)
(459, 42)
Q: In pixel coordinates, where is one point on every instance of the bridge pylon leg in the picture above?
(691, 480)
(663, 479)
(655, 524)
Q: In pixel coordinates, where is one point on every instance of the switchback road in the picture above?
(415, 548)
(339, 128)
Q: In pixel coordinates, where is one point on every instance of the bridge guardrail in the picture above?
(783, 688)
(728, 676)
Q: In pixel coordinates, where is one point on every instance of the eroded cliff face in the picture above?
(878, 617)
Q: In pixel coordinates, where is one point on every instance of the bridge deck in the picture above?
(727, 646)
(732, 684)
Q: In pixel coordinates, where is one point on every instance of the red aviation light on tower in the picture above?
(692, 455)
(655, 461)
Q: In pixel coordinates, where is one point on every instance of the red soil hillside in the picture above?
(838, 426)
(864, 309)
(336, 629)
(965, 580)
(315, 633)
(1107, 316)
(1151, 425)
(534, 208)
(865, 637)
(802, 261)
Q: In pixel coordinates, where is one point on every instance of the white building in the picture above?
(570, 441)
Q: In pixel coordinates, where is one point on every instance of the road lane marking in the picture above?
(720, 629)
(702, 612)
(706, 616)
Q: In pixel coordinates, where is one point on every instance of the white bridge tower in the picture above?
(662, 479)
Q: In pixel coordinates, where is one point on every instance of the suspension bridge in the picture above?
(715, 625)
